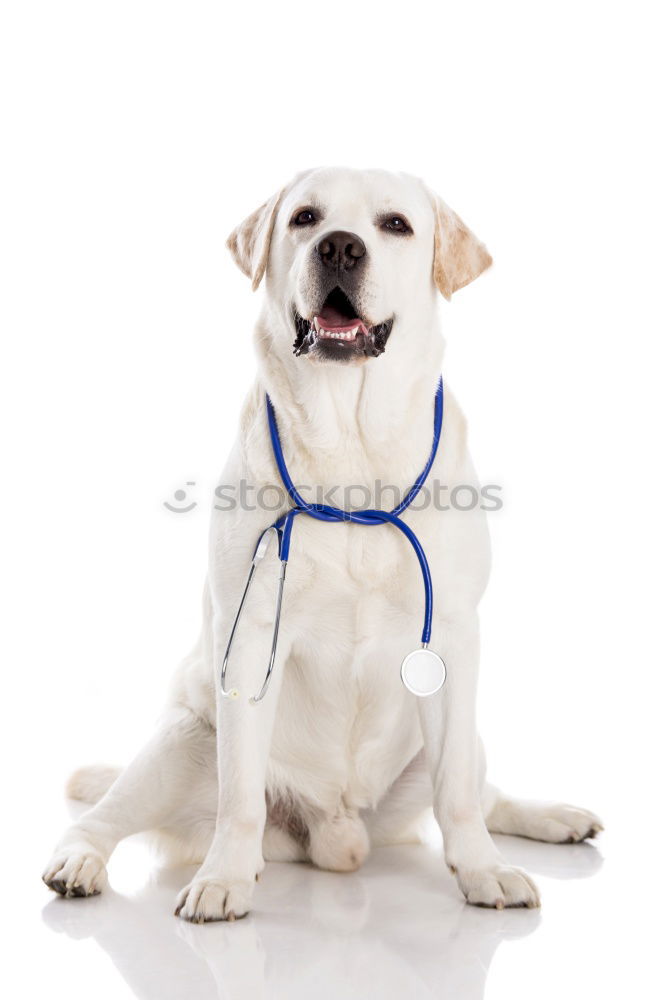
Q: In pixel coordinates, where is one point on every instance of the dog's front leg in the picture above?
(448, 721)
(223, 886)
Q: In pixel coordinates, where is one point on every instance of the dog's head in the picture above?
(351, 257)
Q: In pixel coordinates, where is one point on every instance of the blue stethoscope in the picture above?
(423, 671)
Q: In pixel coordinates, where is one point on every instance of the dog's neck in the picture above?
(349, 423)
(328, 404)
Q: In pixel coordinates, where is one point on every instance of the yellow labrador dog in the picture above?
(338, 755)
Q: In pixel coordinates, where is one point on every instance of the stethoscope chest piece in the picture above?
(423, 672)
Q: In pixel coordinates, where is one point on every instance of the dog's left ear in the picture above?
(459, 256)
(251, 241)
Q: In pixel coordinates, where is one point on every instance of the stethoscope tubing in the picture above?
(323, 512)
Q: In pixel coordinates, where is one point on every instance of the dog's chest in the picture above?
(355, 477)
(345, 727)
(343, 708)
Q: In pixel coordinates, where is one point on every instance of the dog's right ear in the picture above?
(250, 242)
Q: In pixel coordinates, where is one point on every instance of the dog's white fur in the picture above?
(343, 754)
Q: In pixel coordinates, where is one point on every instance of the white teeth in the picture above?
(322, 332)
(332, 334)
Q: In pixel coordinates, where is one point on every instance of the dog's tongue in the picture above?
(332, 319)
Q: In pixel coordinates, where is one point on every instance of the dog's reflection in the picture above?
(396, 928)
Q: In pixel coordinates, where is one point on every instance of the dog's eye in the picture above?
(304, 217)
(395, 224)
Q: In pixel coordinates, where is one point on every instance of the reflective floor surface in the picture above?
(398, 928)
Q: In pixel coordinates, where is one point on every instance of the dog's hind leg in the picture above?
(144, 796)
(552, 822)
(88, 784)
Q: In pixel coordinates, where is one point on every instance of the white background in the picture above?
(136, 135)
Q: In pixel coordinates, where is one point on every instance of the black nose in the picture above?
(340, 250)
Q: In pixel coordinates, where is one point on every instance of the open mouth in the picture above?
(337, 333)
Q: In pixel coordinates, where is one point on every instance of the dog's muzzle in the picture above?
(337, 330)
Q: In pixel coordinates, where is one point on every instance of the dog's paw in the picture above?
(206, 899)
(551, 822)
(498, 886)
(339, 843)
(561, 824)
(77, 872)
